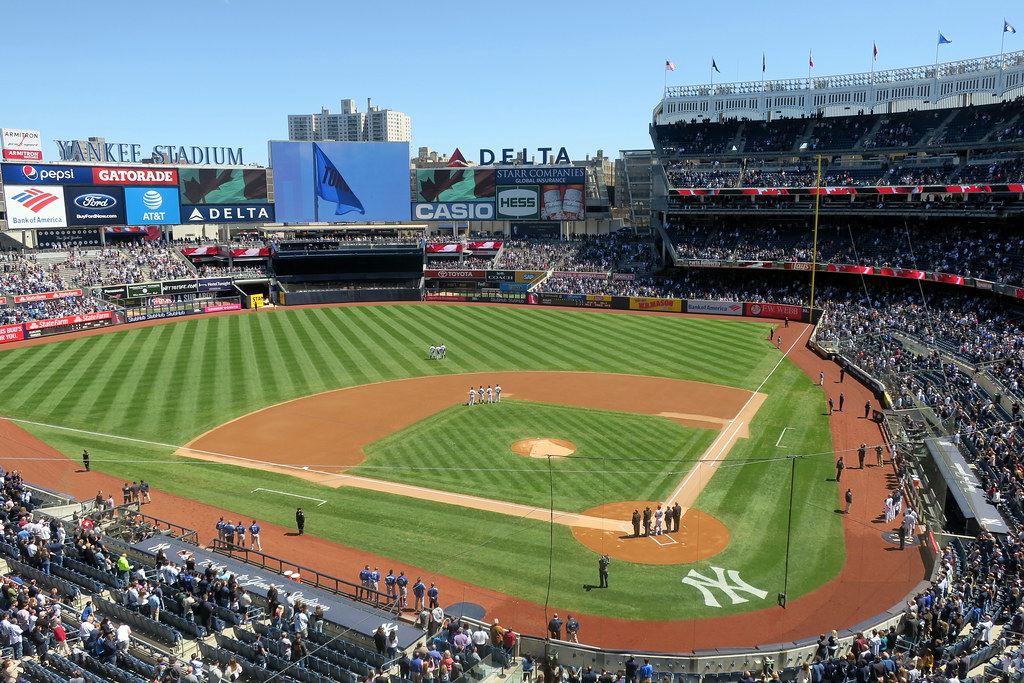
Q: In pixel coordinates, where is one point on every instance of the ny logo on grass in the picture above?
(732, 590)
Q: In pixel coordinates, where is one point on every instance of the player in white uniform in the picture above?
(497, 393)
(443, 351)
(490, 394)
(472, 396)
(433, 352)
(480, 394)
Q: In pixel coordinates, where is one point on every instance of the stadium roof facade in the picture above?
(983, 80)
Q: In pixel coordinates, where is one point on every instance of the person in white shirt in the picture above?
(124, 634)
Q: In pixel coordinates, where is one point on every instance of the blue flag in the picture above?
(331, 186)
(1007, 28)
(943, 40)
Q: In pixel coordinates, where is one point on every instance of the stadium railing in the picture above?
(309, 576)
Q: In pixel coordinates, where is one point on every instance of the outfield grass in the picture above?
(619, 456)
(170, 383)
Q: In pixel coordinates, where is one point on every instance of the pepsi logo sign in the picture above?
(29, 172)
(95, 201)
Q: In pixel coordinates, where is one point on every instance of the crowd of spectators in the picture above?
(618, 252)
(248, 271)
(987, 251)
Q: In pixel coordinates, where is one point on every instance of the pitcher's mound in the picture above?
(542, 448)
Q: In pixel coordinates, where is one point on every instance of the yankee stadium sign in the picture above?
(125, 153)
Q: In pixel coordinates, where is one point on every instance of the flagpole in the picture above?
(665, 89)
(1002, 43)
(874, 57)
(810, 65)
(316, 194)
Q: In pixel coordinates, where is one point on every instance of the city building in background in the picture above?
(351, 125)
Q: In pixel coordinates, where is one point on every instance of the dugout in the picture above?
(956, 488)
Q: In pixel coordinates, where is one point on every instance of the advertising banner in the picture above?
(31, 207)
(578, 300)
(515, 202)
(443, 248)
(501, 275)
(528, 275)
(774, 311)
(224, 307)
(152, 205)
(83, 237)
(20, 174)
(948, 279)
(199, 251)
(446, 185)
(340, 181)
(94, 205)
(135, 176)
(144, 290)
(862, 270)
(20, 144)
(541, 175)
(102, 317)
(47, 296)
(138, 315)
(11, 333)
(582, 276)
(462, 211)
(228, 213)
(455, 274)
(643, 303)
(204, 186)
(180, 287)
(114, 292)
(216, 284)
(714, 307)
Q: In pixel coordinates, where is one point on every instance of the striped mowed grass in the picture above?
(170, 383)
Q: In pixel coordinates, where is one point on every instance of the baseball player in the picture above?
(254, 531)
(472, 396)
(433, 352)
(490, 394)
(443, 351)
(497, 393)
(480, 394)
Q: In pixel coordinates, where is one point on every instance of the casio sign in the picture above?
(517, 202)
(95, 201)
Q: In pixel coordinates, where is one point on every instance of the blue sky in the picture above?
(583, 75)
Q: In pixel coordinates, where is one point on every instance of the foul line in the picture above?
(724, 440)
(784, 429)
(295, 495)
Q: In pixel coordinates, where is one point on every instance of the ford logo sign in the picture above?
(95, 201)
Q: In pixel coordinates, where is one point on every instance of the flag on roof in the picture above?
(713, 65)
(669, 66)
(1007, 28)
(943, 40)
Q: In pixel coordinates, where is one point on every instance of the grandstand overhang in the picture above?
(978, 81)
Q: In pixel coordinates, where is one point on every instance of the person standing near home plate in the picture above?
(636, 523)
(677, 515)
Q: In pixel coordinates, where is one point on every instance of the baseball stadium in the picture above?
(756, 415)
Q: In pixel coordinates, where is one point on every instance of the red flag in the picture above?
(810, 58)
(669, 66)
(875, 46)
